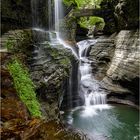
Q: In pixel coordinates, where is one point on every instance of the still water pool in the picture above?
(113, 122)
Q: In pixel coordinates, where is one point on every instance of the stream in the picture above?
(111, 122)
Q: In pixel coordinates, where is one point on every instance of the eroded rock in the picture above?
(124, 69)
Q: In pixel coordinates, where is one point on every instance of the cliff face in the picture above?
(117, 66)
(50, 66)
(120, 15)
(20, 14)
(124, 68)
(15, 14)
(117, 63)
(127, 14)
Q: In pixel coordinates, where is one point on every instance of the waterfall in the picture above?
(53, 36)
(50, 14)
(35, 13)
(59, 14)
(88, 85)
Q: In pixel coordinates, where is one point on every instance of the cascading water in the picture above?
(88, 85)
(50, 14)
(59, 14)
(35, 13)
(53, 36)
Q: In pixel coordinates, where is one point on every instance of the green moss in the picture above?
(10, 43)
(15, 41)
(24, 87)
(65, 62)
(83, 3)
(89, 22)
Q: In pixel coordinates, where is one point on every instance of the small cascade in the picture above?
(88, 85)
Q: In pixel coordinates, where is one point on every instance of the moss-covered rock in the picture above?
(68, 28)
(11, 105)
(24, 86)
(17, 41)
(50, 67)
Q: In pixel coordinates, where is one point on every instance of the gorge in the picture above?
(59, 83)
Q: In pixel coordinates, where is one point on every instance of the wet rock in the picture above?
(49, 72)
(101, 54)
(116, 64)
(124, 68)
(18, 14)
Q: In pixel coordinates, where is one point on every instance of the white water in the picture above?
(59, 14)
(56, 16)
(88, 85)
(50, 14)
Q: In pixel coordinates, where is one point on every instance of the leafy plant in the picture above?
(89, 22)
(24, 87)
(83, 3)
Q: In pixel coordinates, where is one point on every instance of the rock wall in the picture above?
(50, 66)
(116, 65)
(101, 54)
(20, 14)
(15, 14)
(124, 68)
(127, 14)
(120, 15)
(49, 71)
